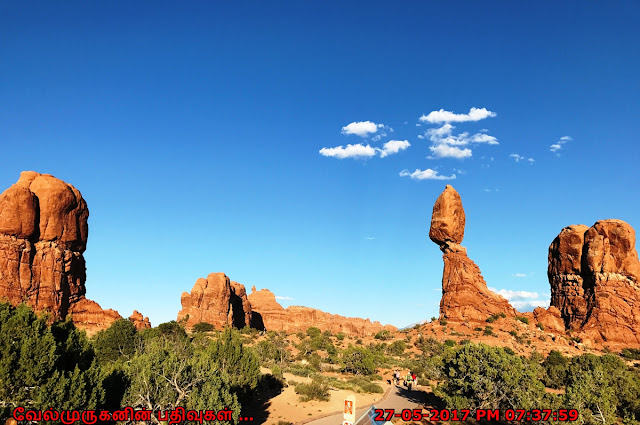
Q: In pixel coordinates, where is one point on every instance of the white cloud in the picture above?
(370, 238)
(531, 160)
(519, 275)
(278, 297)
(475, 114)
(523, 299)
(484, 138)
(558, 145)
(351, 151)
(361, 128)
(446, 151)
(516, 157)
(393, 146)
(427, 174)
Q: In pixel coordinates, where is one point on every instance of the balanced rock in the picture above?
(465, 295)
(447, 219)
(599, 292)
(270, 315)
(217, 301)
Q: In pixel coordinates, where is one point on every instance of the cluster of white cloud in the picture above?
(558, 145)
(474, 114)
(447, 145)
(365, 151)
(361, 128)
(427, 174)
(523, 300)
(518, 158)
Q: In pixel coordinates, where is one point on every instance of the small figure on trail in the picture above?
(409, 380)
(397, 376)
(414, 378)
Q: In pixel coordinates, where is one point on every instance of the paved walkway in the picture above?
(398, 398)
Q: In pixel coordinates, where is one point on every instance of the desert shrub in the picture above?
(450, 343)
(358, 361)
(383, 335)
(485, 377)
(540, 326)
(299, 369)
(488, 330)
(443, 322)
(315, 390)
(477, 329)
(340, 336)
(358, 341)
(314, 332)
(45, 365)
(433, 319)
(629, 353)
(116, 342)
(556, 367)
(523, 319)
(490, 319)
(509, 351)
(513, 334)
(465, 341)
(203, 327)
(397, 348)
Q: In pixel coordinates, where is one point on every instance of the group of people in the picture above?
(410, 381)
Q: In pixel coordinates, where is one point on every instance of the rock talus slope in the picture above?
(43, 235)
(465, 295)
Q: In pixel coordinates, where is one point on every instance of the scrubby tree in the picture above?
(485, 377)
(555, 366)
(358, 361)
(116, 342)
(43, 366)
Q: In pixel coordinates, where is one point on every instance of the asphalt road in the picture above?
(398, 398)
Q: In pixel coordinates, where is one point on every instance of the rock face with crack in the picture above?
(43, 235)
(465, 295)
(595, 280)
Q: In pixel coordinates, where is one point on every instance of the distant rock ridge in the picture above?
(43, 235)
(594, 273)
(270, 315)
(219, 301)
(465, 295)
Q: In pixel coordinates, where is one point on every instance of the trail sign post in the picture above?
(349, 410)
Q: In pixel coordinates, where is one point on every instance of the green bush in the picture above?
(203, 327)
(630, 353)
(315, 390)
(383, 335)
(540, 326)
(314, 332)
(340, 336)
(488, 330)
(477, 329)
(116, 342)
(450, 343)
(485, 377)
(443, 322)
(523, 319)
(397, 348)
(358, 361)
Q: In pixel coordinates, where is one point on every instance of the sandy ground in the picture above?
(286, 406)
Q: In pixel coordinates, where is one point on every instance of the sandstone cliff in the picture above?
(218, 301)
(43, 235)
(465, 295)
(595, 280)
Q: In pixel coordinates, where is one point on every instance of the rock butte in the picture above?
(594, 273)
(595, 281)
(43, 235)
(465, 295)
(219, 301)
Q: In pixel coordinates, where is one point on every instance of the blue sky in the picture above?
(214, 136)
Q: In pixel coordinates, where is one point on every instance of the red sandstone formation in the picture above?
(43, 234)
(465, 295)
(595, 280)
(270, 315)
(216, 300)
(139, 321)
